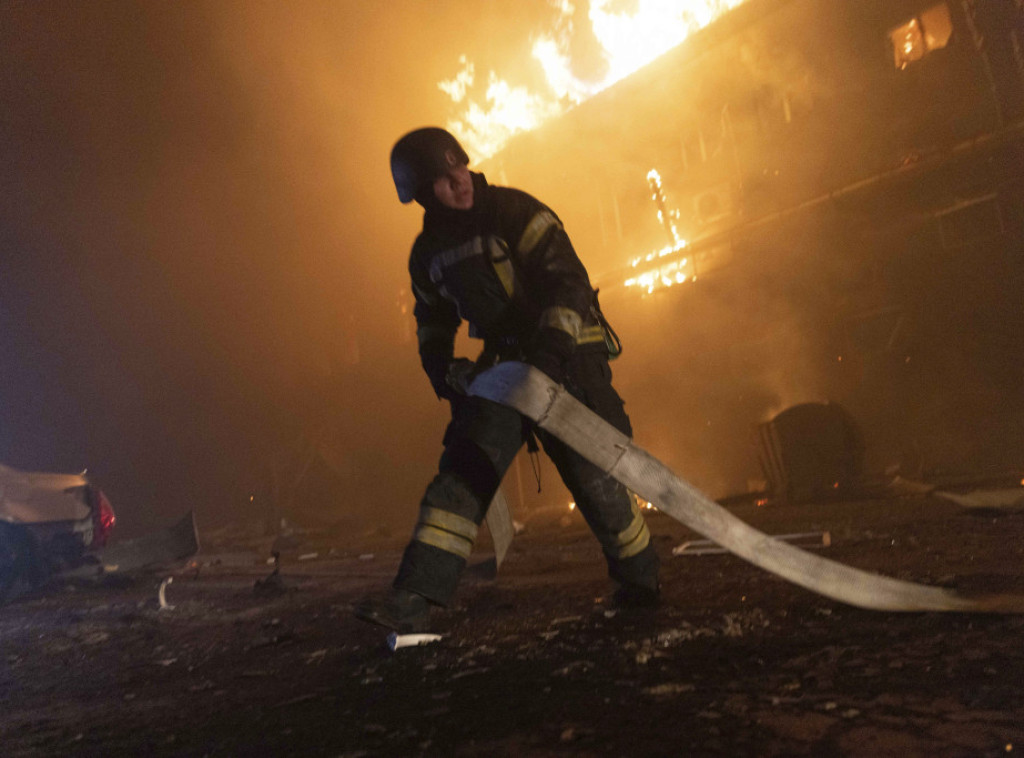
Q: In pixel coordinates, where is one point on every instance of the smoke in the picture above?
(799, 297)
(204, 261)
(203, 266)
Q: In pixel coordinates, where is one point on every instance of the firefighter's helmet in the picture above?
(421, 156)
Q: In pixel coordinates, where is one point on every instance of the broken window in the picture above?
(930, 30)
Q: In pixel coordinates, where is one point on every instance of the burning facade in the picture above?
(809, 201)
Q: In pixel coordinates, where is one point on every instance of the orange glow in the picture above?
(628, 41)
(643, 504)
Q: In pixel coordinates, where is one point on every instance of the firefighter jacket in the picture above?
(507, 267)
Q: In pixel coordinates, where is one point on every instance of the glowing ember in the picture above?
(628, 41)
(643, 504)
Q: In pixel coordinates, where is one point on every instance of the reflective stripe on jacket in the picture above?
(506, 267)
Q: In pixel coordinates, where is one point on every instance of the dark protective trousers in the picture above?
(480, 444)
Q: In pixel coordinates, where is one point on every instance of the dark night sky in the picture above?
(200, 246)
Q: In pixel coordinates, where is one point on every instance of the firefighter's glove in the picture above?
(461, 373)
(550, 352)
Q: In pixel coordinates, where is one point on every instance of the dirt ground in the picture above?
(736, 662)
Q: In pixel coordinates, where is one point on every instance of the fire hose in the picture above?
(554, 409)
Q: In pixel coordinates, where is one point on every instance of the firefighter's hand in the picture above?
(461, 373)
(550, 352)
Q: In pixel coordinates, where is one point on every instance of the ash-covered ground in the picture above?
(736, 662)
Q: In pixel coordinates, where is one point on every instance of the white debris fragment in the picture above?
(566, 620)
(1003, 499)
(669, 688)
(804, 540)
(309, 556)
(396, 641)
(162, 594)
(316, 656)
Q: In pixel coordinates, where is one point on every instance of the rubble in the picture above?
(708, 666)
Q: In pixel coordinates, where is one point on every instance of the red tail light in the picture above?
(103, 518)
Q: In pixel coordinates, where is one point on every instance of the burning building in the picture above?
(808, 201)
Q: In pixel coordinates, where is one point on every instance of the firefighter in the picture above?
(500, 260)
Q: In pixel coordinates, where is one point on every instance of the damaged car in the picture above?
(49, 523)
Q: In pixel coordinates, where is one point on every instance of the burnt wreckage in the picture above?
(810, 201)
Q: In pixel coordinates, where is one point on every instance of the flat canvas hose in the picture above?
(535, 395)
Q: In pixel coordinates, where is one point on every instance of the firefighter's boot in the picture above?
(637, 579)
(400, 610)
(633, 596)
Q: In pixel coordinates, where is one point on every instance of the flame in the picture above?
(673, 272)
(628, 41)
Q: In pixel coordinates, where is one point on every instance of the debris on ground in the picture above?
(397, 641)
(168, 546)
(734, 662)
(273, 584)
(804, 540)
(998, 499)
(161, 595)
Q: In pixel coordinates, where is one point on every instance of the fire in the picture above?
(484, 129)
(676, 271)
(628, 41)
(640, 502)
